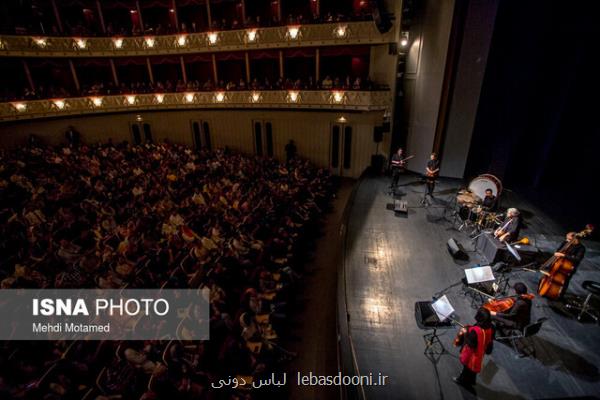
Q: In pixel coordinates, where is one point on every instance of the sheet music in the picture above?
(479, 274)
(442, 308)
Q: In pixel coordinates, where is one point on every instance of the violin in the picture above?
(557, 270)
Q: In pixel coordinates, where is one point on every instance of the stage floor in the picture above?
(393, 262)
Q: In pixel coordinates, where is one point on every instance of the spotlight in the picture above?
(97, 101)
(181, 40)
(130, 99)
(340, 31)
(159, 98)
(213, 37)
(293, 96)
(251, 35)
(41, 42)
(220, 97)
(118, 43)
(293, 32)
(81, 43)
(139, 118)
(60, 104)
(404, 39)
(338, 96)
(189, 97)
(20, 106)
(342, 119)
(149, 42)
(255, 97)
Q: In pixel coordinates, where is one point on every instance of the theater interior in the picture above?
(373, 199)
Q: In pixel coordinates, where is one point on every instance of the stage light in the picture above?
(293, 96)
(255, 97)
(189, 97)
(213, 37)
(342, 119)
(20, 106)
(293, 32)
(139, 118)
(81, 43)
(338, 96)
(149, 42)
(97, 101)
(41, 42)
(220, 97)
(159, 98)
(130, 99)
(132, 11)
(251, 35)
(60, 104)
(118, 43)
(181, 40)
(404, 39)
(340, 31)
(171, 10)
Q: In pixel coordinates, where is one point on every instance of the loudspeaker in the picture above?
(456, 250)
(377, 163)
(386, 126)
(378, 134)
(490, 248)
(380, 16)
(393, 49)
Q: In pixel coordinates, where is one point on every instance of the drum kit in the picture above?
(469, 204)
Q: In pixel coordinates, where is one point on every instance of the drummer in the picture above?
(489, 201)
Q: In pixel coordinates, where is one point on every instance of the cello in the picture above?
(506, 303)
(557, 270)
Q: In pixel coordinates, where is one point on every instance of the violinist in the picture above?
(575, 254)
(477, 340)
(509, 230)
(519, 315)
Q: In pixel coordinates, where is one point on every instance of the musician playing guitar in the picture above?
(431, 172)
(398, 165)
(509, 230)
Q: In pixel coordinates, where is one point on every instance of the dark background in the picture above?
(537, 121)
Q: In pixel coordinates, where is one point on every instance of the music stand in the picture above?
(433, 315)
(476, 279)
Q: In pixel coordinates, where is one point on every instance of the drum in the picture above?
(467, 199)
(486, 181)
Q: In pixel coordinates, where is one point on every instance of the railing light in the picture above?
(220, 97)
(41, 42)
(60, 104)
(341, 31)
(189, 97)
(97, 101)
(338, 96)
(251, 35)
(159, 98)
(342, 119)
(130, 99)
(20, 106)
(149, 42)
(118, 43)
(255, 97)
(293, 32)
(213, 37)
(293, 96)
(81, 43)
(182, 40)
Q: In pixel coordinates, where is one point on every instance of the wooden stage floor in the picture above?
(393, 262)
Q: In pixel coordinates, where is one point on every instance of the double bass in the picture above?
(557, 270)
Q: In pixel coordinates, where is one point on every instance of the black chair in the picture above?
(585, 308)
(523, 336)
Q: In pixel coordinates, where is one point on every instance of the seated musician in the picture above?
(575, 254)
(509, 230)
(398, 165)
(489, 201)
(519, 315)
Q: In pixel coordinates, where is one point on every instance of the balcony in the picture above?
(274, 99)
(364, 32)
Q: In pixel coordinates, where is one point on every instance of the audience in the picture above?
(156, 215)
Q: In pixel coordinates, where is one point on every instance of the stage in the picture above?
(394, 261)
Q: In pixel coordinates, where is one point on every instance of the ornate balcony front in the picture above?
(274, 99)
(237, 40)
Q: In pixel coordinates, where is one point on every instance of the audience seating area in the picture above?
(156, 215)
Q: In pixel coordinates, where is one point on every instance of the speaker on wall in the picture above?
(378, 134)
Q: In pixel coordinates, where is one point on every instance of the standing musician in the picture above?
(509, 230)
(431, 172)
(489, 201)
(398, 166)
(575, 254)
(477, 340)
(519, 315)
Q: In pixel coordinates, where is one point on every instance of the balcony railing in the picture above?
(274, 99)
(364, 32)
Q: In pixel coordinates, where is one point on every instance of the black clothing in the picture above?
(290, 150)
(467, 377)
(512, 226)
(433, 165)
(575, 254)
(430, 180)
(396, 168)
(489, 203)
(518, 317)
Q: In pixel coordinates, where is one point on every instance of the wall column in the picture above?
(175, 16)
(114, 72)
(208, 14)
(57, 16)
(317, 65)
(247, 59)
(28, 75)
(183, 72)
(150, 74)
(281, 63)
(74, 75)
(214, 65)
(139, 10)
(101, 16)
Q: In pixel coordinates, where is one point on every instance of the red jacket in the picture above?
(471, 357)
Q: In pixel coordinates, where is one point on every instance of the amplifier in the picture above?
(490, 248)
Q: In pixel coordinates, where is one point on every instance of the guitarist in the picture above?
(398, 166)
(431, 172)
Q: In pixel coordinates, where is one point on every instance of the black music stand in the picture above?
(427, 319)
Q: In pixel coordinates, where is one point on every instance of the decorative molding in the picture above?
(364, 32)
(272, 99)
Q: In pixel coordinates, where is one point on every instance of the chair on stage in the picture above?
(524, 336)
(585, 308)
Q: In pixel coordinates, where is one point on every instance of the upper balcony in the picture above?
(356, 100)
(346, 33)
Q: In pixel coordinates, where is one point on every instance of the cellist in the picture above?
(519, 315)
(575, 254)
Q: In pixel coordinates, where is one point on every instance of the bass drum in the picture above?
(486, 181)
